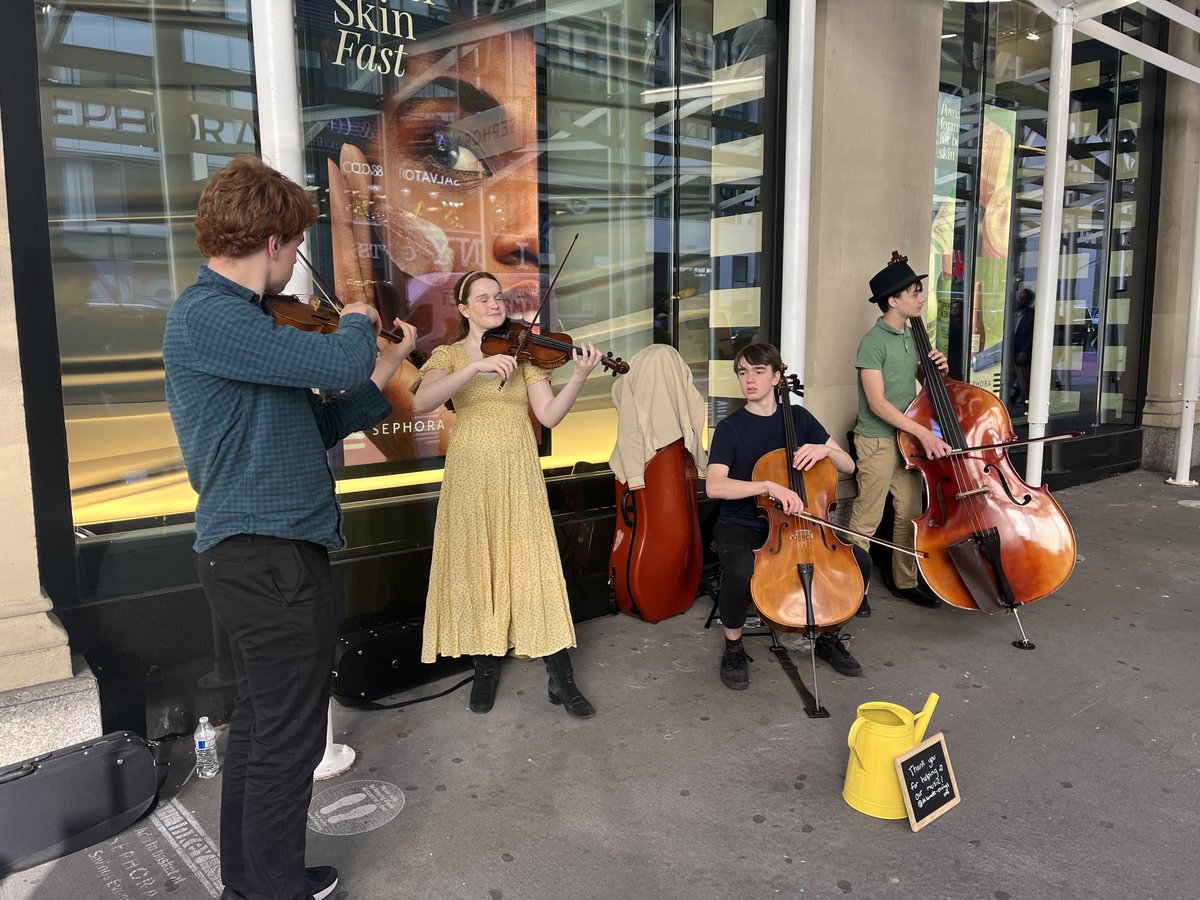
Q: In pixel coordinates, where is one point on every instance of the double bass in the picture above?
(991, 540)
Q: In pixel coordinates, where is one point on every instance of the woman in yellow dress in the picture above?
(496, 581)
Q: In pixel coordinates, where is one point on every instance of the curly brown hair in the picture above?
(247, 202)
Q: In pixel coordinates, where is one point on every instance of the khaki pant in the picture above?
(881, 471)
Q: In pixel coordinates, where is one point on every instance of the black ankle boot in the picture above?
(562, 686)
(483, 688)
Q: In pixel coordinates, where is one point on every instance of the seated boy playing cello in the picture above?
(740, 440)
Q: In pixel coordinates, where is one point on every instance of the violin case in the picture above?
(69, 799)
(376, 662)
(656, 559)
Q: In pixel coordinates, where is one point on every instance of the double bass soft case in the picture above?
(60, 802)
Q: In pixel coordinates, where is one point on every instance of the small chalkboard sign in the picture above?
(927, 781)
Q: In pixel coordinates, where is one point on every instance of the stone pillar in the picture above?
(1173, 265)
(874, 114)
(35, 661)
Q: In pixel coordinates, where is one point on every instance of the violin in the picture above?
(805, 578)
(546, 350)
(311, 314)
(321, 312)
(990, 540)
(525, 342)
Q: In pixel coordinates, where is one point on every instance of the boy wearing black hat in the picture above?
(888, 368)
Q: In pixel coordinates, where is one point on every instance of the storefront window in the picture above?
(450, 161)
(988, 204)
(140, 104)
(438, 138)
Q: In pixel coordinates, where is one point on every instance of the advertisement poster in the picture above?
(990, 289)
(945, 307)
(422, 135)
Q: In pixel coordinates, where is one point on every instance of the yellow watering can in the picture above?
(881, 732)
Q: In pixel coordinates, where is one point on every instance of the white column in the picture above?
(277, 78)
(1049, 240)
(33, 645)
(797, 184)
(1191, 371)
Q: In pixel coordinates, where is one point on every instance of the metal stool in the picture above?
(711, 578)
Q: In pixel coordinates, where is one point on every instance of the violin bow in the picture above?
(323, 289)
(537, 315)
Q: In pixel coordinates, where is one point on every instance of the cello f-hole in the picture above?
(778, 540)
(827, 539)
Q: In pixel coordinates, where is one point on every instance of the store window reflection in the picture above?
(140, 104)
(644, 127)
(991, 144)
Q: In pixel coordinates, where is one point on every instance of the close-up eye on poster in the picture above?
(422, 134)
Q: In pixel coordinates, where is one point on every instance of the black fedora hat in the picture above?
(894, 278)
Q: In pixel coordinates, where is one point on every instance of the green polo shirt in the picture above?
(894, 354)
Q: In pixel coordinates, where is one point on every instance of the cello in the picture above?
(805, 579)
(992, 541)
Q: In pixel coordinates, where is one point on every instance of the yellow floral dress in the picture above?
(496, 581)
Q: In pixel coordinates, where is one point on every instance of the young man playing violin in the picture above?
(740, 440)
(254, 438)
(888, 369)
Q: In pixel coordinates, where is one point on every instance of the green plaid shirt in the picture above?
(254, 436)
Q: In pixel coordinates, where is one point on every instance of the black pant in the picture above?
(735, 548)
(275, 600)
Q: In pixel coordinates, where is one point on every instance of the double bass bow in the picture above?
(991, 541)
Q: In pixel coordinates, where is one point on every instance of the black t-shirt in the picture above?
(741, 439)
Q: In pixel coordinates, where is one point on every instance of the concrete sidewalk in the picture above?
(1078, 762)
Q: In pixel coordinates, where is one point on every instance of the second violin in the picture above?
(526, 342)
(546, 350)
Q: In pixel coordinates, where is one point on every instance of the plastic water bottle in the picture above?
(207, 764)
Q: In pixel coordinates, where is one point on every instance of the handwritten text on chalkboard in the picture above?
(927, 781)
